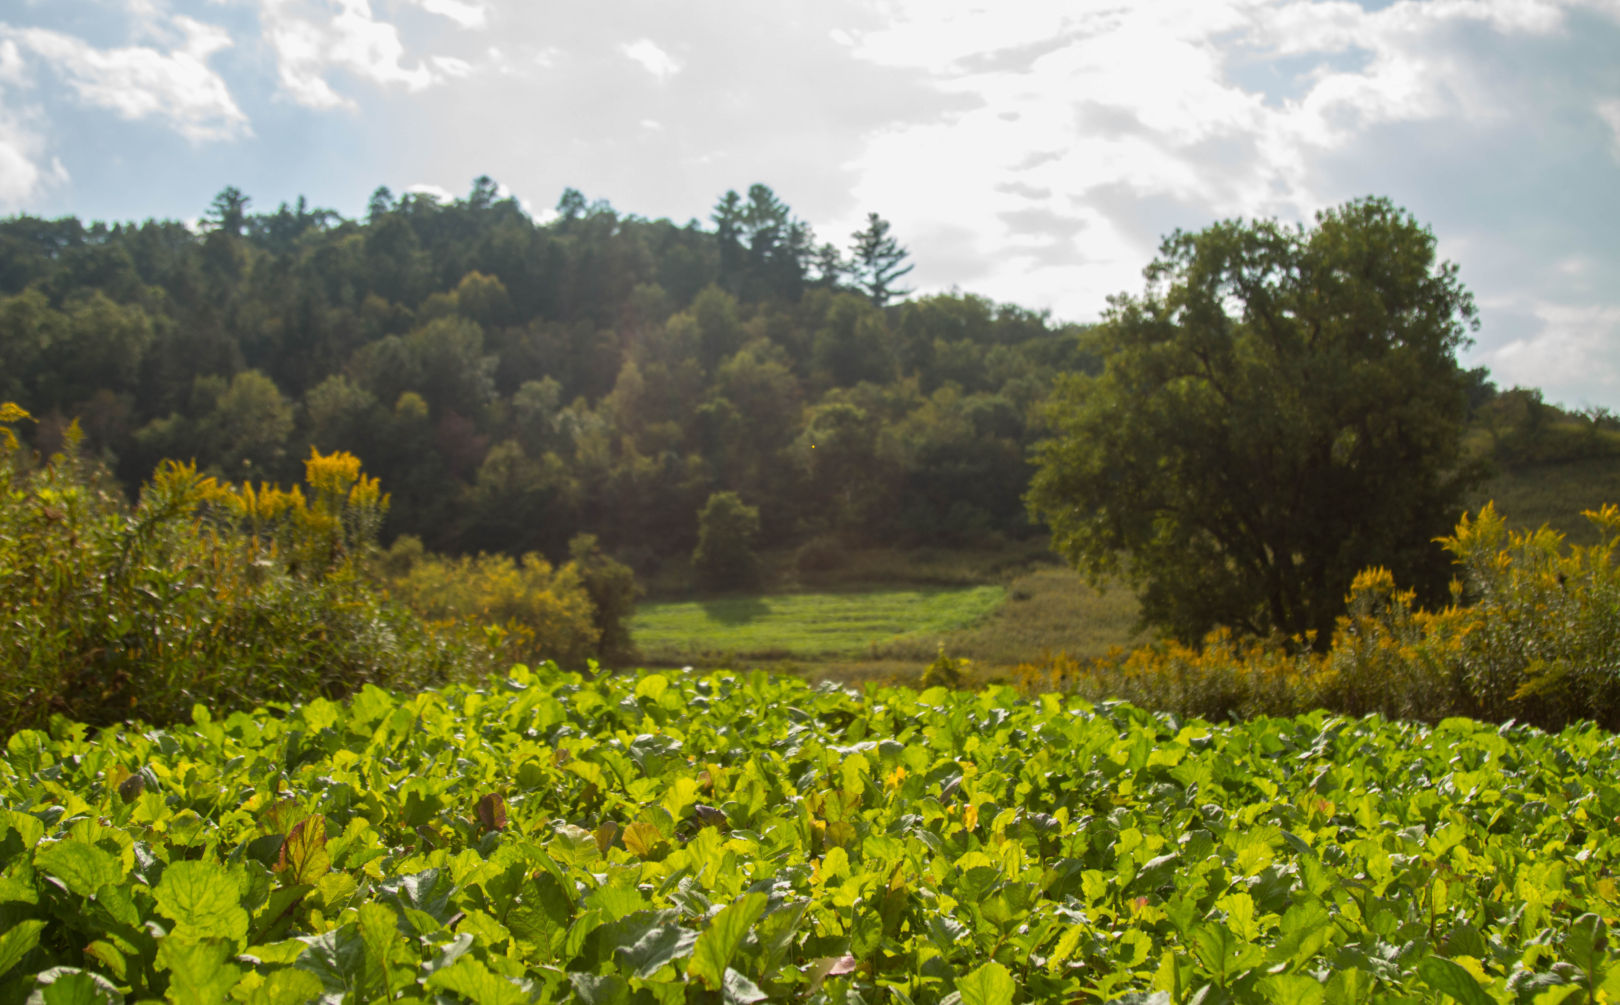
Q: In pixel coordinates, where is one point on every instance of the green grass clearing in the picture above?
(806, 625)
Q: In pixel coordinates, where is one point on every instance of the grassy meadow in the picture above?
(882, 614)
(1553, 494)
(806, 625)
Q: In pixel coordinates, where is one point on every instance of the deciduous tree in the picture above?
(1280, 408)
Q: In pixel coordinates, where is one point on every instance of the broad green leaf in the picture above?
(573, 845)
(280, 953)
(990, 984)
(71, 986)
(30, 750)
(198, 971)
(279, 913)
(287, 986)
(471, 979)
(320, 714)
(369, 705)
(82, 867)
(337, 958)
(739, 990)
(652, 686)
(777, 932)
(605, 989)
(643, 839)
(18, 942)
(385, 946)
(304, 858)
(1586, 943)
(111, 958)
(201, 897)
(1303, 931)
(1292, 989)
(428, 891)
(719, 943)
(656, 948)
(1443, 975)
(28, 828)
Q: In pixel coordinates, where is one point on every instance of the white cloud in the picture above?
(1609, 112)
(141, 82)
(450, 67)
(24, 175)
(467, 15)
(652, 59)
(1570, 355)
(1131, 119)
(313, 37)
(12, 71)
(437, 192)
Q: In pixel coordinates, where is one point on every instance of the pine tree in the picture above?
(877, 257)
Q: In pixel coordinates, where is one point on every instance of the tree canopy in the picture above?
(517, 382)
(1280, 408)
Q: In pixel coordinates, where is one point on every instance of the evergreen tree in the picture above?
(877, 260)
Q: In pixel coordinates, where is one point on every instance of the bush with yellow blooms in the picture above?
(1532, 633)
(203, 592)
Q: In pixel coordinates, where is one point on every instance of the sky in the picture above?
(1031, 151)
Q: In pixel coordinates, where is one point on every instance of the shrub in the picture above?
(1540, 641)
(724, 558)
(611, 586)
(200, 592)
(528, 610)
(1533, 634)
(945, 671)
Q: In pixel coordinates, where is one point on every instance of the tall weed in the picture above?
(1532, 634)
(200, 592)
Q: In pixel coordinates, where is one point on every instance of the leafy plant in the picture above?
(1533, 634)
(199, 592)
(673, 837)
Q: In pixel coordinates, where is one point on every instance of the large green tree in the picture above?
(1280, 408)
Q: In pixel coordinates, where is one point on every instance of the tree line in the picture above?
(1279, 409)
(515, 383)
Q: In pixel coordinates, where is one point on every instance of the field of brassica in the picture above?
(664, 838)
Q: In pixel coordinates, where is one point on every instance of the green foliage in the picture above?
(1525, 430)
(944, 671)
(518, 383)
(1280, 409)
(875, 260)
(530, 610)
(611, 586)
(1532, 635)
(727, 529)
(809, 625)
(200, 592)
(671, 837)
(1539, 638)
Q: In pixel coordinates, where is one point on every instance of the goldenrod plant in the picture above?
(199, 592)
(1532, 633)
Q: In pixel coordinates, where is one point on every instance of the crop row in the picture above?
(664, 838)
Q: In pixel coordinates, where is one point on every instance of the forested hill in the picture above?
(515, 383)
